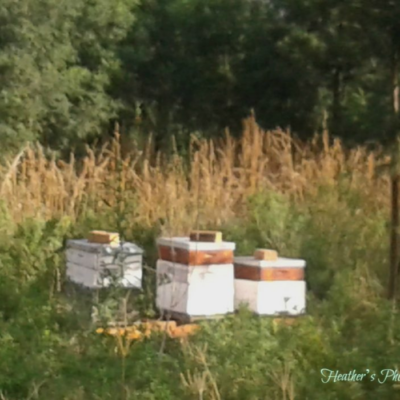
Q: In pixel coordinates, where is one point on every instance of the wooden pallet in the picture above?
(281, 316)
(183, 318)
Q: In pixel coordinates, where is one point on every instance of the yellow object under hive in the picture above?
(145, 329)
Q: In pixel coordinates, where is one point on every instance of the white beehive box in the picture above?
(195, 278)
(270, 287)
(195, 290)
(95, 265)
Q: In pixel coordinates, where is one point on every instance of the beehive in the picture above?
(270, 287)
(195, 278)
(98, 265)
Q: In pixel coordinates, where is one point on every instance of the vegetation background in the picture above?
(157, 116)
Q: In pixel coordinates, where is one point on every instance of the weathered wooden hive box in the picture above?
(195, 278)
(98, 265)
(270, 286)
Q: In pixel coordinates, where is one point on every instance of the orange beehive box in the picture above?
(281, 269)
(184, 251)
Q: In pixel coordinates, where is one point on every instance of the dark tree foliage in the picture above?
(69, 70)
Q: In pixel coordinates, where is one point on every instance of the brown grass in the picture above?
(212, 189)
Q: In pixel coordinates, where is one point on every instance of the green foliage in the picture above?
(55, 62)
(239, 357)
(177, 67)
(173, 67)
(319, 233)
(272, 222)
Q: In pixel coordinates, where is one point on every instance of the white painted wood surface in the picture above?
(196, 299)
(271, 298)
(186, 244)
(195, 290)
(85, 245)
(90, 264)
(174, 272)
(92, 278)
(100, 261)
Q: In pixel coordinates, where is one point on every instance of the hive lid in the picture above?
(186, 244)
(281, 262)
(85, 245)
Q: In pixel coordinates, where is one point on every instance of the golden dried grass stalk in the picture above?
(214, 188)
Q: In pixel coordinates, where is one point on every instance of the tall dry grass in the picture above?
(212, 189)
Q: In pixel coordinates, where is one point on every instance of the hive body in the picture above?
(195, 278)
(270, 287)
(96, 265)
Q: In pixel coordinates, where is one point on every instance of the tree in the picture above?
(383, 37)
(180, 62)
(320, 37)
(55, 60)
